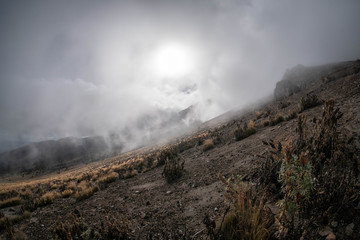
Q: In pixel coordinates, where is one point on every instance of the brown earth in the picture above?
(151, 204)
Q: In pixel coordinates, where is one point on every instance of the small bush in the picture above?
(109, 178)
(173, 170)
(114, 228)
(164, 154)
(130, 173)
(246, 217)
(26, 193)
(284, 104)
(86, 192)
(207, 145)
(258, 114)
(76, 228)
(277, 119)
(53, 185)
(309, 101)
(10, 202)
(291, 115)
(71, 185)
(266, 123)
(318, 176)
(47, 198)
(245, 131)
(6, 222)
(67, 193)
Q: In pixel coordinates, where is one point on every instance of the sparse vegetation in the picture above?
(266, 123)
(110, 177)
(246, 217)
(85, 190)
(8, 221)
(67, 193)
(258, 114)
(47, 198)
(284, 104)
(317, 173)
(207, 145)
(245, 131)
(10, 202)
(292, 114)
(76, 228)
(309, 101)
(277, 119)
(173, 169)
(130, 173)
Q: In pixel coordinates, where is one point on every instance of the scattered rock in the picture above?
(325, 231)
(331, 236)
(34, 220)
(349, 229)
(334, 224)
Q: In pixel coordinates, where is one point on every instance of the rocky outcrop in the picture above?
(300, 77)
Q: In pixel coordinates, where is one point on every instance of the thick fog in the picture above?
(85, 68)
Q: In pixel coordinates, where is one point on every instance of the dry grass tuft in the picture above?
(85, 190)
(245, 131)
(266, 123)
(207, 145)
(246, 217)
(130, 173)
(10, 202)
(309, 101)
(258, 114)
(173, 169)
(67, 193)
(7, 222)
(71, 185)
(47, 198)
(277, 119)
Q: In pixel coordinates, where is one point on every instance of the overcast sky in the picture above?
(80, 68)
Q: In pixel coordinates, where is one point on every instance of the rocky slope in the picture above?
(153, 207)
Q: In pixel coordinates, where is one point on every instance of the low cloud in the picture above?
(84, 68)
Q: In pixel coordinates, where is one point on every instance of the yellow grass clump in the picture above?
(10, 202)
(67, 193)
(207, 145)
(47, 198)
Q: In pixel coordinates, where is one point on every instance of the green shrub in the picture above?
(296, 183)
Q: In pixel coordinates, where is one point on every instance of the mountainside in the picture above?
(53, 155)
(306, 139)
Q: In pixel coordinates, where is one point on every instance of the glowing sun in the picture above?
(173, 60)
